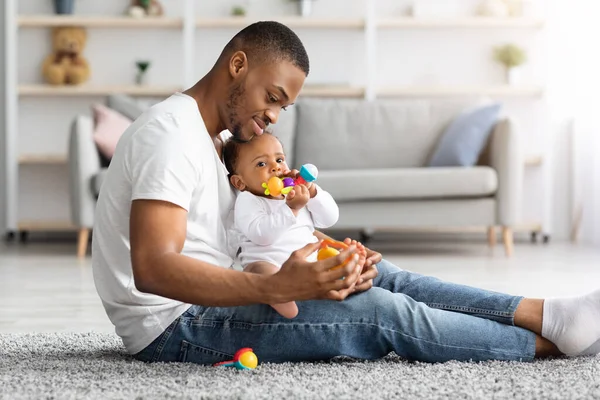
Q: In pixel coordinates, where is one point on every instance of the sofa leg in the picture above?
(492, 236)
(507, 238)
(82, 242)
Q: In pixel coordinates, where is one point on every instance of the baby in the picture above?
(273, 227)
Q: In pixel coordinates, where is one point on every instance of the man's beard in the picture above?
(233, 103)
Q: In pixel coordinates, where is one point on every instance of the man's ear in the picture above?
(238, 64)
(237, 182)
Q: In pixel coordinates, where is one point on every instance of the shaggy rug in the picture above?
(95, 366)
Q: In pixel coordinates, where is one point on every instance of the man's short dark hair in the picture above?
(269, 41)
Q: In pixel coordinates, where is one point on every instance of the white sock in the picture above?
(573, 324)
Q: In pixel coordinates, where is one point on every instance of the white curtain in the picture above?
(574, 82)
(586, 123)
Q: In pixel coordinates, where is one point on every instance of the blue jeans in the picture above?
(417, 317)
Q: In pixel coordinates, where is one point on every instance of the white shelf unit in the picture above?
(187, 24)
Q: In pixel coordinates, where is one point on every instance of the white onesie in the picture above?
(269, 231)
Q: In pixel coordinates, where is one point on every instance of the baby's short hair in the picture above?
(231, 151)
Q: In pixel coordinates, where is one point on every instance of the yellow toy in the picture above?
(328, 249)
(66, 65)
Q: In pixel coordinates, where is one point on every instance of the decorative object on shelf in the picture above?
(516, 8)
(493, 8)
(238, 11)
(66, 65)
(142, 67)
(64, 6)
(512, 57)
(145, 8)
(304, 7)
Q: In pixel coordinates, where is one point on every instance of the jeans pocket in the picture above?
(193, 353)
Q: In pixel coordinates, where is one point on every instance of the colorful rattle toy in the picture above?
(243, 359)
(276, 186)
(328, 249)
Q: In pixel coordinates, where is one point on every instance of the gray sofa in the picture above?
(372, 158)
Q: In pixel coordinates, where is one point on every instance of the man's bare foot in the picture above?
(286, 310)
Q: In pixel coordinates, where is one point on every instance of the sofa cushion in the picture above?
(373, 134)
(109, 126)
(464, 140)
(97, 181)
(285, 130)
(126, 105)
(409, 183)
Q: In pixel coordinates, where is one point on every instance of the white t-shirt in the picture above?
(166, 154)
(269, 231)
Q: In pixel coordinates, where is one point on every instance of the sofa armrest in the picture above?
(506, 158)
(84, 164)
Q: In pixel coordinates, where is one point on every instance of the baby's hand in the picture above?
(312, 189)
(360, 250)
(298, 197)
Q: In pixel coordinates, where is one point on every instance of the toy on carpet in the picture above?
(243, 359)
(66, 65)
(276, 185)
(145, 8)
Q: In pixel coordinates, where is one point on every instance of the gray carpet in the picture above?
(69, 366)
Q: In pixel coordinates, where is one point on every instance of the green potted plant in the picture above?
(512, 57)
(142, 67)
(238, 11)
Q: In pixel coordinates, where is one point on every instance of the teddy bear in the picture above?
(66, 65)
(145, 8)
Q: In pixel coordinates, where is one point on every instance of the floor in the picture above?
(45, 288)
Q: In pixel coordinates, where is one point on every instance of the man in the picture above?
(162, 259)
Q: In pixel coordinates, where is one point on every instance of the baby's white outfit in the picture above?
(269, 231)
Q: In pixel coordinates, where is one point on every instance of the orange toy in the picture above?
(330, 248)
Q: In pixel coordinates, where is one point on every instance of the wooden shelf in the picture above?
(467, 22)
(45, 159)
(292, 22)
(90, 90)
(48, 21)
(45, 21)
(441, 91)
(332, 91)
(49, 225)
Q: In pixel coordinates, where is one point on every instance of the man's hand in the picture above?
(368, 268)
(297, 198)
(299, 279)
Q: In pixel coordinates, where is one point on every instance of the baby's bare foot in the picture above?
(287, 310)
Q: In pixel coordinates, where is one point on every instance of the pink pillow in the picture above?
(109, 126)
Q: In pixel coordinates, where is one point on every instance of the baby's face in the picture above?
(258, 161)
